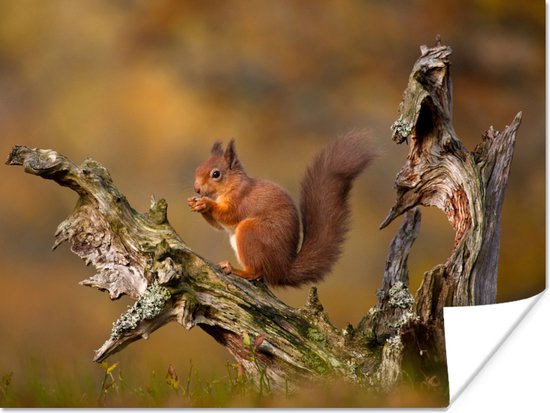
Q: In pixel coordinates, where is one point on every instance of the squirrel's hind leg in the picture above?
(245, 273)
(246, 240)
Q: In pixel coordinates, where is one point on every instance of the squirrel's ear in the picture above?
(217, 149)
(230, 155)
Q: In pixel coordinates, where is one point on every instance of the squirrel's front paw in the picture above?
(226, 267)
(197, 204)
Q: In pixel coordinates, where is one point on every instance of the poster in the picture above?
(145, 88)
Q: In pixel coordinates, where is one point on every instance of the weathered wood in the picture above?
(140, 255)
(467, 187)
(394, 308)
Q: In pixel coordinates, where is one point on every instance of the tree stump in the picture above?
(140, 255)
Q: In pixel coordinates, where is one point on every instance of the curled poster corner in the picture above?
(473, 335)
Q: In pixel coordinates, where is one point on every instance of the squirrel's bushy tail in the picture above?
(324, 206)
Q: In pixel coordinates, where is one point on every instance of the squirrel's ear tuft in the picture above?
(230, 155)
(217, 149)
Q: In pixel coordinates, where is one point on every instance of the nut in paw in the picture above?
(197, 204)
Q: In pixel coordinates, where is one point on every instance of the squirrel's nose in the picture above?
(197, 188)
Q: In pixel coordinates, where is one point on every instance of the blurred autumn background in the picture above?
(145, 87)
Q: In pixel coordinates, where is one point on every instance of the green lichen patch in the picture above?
(316, 363)
(316, 335)
(399, 296)
(150, 305)
(401, 128)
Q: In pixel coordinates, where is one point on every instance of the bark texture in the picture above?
(140, 255)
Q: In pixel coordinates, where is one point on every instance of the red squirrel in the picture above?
(263, 222)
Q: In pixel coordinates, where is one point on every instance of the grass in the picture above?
(112, 388)
(183, 386)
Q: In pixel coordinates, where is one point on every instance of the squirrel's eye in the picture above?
(215, 174)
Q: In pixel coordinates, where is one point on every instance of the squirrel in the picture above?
(263, 222)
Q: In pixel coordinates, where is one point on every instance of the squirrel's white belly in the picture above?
(233, 242)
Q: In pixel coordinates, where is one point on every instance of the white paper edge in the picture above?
(474, 334)
(516, 378)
